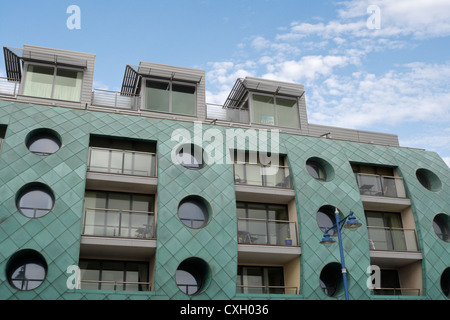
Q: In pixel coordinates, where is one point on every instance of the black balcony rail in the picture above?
(267, 232)
(392, 239)
(266, 289)
(259, 175)
(124, 162)
(380, 186)
(119, 223)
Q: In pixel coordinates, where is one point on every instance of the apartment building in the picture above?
(153, 193)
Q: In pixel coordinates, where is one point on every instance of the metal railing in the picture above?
(218, 112)
(119, 223)
(392, 239)
(259, 175)
(9, 87)
(115, 285)
(266, 289)
(381, 186)
(122, 162)
(267, 232)
(395, 291)
(115, 99)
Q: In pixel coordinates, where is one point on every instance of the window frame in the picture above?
(171, 83)
(55, 71)
(275, 109)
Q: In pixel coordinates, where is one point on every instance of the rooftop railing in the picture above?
(119, 223)
(218, 112)
(392, 239)
(122, 162)
(267, 232)
(259, 175)
(114, 99)
(9, 87)
(380, 186)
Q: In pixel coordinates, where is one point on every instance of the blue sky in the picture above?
(394, 79)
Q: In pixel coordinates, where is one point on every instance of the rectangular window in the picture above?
(170, 97)
(275, 111)
(53, 83)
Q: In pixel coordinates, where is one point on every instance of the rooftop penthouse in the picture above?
(65, 78)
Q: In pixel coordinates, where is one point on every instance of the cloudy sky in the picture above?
(374, 65)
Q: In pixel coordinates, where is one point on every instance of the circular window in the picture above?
(193, 276)
(26, 270)
(35, 200)
(319, 169)
(429, 180)
(445, 282)
(441, 226)
(43, 142)
(331, 279)
(190, 156)
(326, 218)
(193, 211)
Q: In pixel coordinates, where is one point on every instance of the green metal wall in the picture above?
(57, 235)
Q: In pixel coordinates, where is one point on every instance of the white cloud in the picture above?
(306, 69)
(447, 161)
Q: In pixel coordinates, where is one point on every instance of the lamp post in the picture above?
(349, 222)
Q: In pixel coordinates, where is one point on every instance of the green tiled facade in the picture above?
(57, 235)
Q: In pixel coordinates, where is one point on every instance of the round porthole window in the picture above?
(26, 270)
(326, 218)
(441, 226)
(193, 276)
(35, 200)
(331, 279)
(429, 180)
(193, 211)
(43, 142)
(320, 169)
(445, 282)
(190, 156)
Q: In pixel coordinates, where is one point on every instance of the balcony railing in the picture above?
(122, 162)
(9, 87)
(267, 289)
(115, 285)
(114, 99)
(380, 186)
(395, 291)
(119, 223)
(392, 239)
(267, 232)
(218, 112)
(259, 175)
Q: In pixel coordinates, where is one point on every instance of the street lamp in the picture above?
(349, 222)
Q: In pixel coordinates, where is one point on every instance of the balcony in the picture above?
(122, 162)
(9, 87)
(380, 186)
(267, 232)
(266, 289)
(220, 113)
(117, 223)
(114, 99)
(259, 175)
(115, 285)
(395, 291)
(393, 239)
